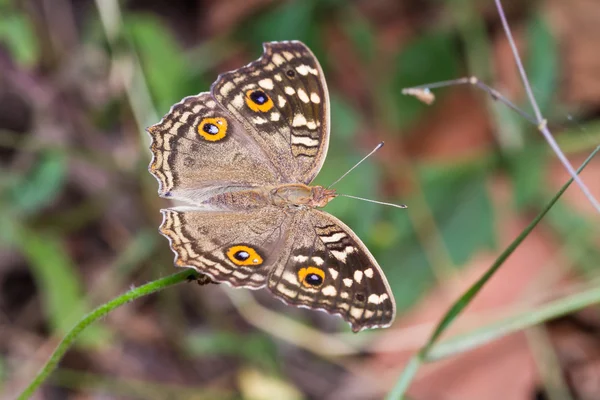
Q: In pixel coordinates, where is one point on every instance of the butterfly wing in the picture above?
(199, 148)
(238, 248)
(283, 102)
(330, 269)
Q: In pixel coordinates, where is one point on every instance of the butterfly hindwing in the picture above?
(331, 269)
(283, 102)
(238, 248)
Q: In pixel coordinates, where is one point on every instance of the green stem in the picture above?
(404, 381)
(98, 313)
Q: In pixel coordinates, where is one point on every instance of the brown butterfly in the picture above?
(243, 156)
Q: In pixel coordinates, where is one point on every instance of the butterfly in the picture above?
(242, 158)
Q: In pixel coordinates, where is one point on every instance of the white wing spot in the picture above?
(275, 116)
(358, 275)
(226, 88)
(239, 275)
(300, 258)
(290, 277)
(299, 120)
(344, 295)
(302, 69)
(336, 237)
(318, 261)
(260, 120)
(315, 98)
(288, 292)
(266, 83)
(369, 273)
(348, 282)
(238, 101)
(304, 140)
(303, 96)
(281, 100)
(278, 60)
(289, 90)
(311, 125)
(278, 78)
(356, 312)
(334, 274)
(329, 291)
(375, 299)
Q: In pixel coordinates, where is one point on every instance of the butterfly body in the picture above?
(287, 196)
(243, 156)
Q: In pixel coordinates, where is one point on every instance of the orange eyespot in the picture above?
(258, 100)
(244, 255)
(311, 277)
(213, 129)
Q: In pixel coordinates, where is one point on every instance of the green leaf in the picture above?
(162, 59)
(17, 33)
(462, 211)
(292, 20)
(41, 185)
(57, 279)
(405, 263)
(542, 61)
(255, 348)
(430, 58)
(359, 30)
(527, 169)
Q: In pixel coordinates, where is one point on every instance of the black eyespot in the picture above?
(291, 73)
(360, 297)
(211, 129)
(313, 279)
(241, 255)
(259, 97)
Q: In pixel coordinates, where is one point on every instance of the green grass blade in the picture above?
(410, 370)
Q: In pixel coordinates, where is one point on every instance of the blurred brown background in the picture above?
(79, 82)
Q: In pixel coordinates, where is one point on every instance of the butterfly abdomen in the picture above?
(240, 200)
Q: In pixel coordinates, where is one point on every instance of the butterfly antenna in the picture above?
(374, 201)
(380, 145)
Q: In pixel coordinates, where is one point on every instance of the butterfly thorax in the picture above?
(299, 195)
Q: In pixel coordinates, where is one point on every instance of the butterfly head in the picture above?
(320, 196)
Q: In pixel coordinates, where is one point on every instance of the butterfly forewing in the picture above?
(198, 147)
(282, 100)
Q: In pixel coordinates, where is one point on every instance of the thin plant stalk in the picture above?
(93, 316)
